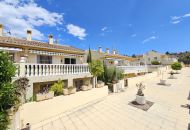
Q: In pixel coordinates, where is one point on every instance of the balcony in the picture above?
(133, 69)
(32, 70)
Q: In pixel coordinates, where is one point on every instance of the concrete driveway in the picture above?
(114, 113)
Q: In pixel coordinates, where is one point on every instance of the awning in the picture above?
(10, 49)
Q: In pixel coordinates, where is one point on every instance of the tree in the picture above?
(167, 53)
(176, 66)
(8, 95)
(134, 56)
(89, 57)
(96, 69)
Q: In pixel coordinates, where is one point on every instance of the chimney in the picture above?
(1, 29)
(107, 50)
(50, 39)
(29, 35)
(114, 52)
(100, 49)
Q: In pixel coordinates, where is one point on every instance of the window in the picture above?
(73, 61)
(155, 58)
(44, 59)
(67, 61)
(70, 61)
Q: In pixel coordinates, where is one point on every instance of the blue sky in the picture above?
(130, 26)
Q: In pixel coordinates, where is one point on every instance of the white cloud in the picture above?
(175, 17)
(133, 35)
(20, 15)
(104, 29)
(76, 31)
(178, 19)
(186, 15)
(176, 22)
(149, 39)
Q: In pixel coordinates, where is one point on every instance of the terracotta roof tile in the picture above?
(11, 41)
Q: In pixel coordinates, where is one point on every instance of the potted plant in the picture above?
(171, 74)
(176, 66)
(72, 90)
(140, 98)
(86, 86)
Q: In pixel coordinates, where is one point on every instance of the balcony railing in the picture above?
(133, 69)
(29, 70)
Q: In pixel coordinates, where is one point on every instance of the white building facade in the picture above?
(46, 63)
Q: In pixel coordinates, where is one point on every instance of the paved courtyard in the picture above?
(114, 113)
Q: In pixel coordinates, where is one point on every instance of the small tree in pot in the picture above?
(171, 75)
(140, 98)
(176, 66)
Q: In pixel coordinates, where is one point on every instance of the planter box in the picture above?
(140, 99)
(85, 87)
(99, 85)
(44, 96)
(65, 91)
(72, 91)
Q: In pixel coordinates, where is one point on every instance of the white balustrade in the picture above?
(30, 70)
(133, 69)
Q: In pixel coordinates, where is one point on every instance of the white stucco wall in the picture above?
(151, 55)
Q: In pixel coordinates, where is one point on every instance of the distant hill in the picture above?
(182, 56)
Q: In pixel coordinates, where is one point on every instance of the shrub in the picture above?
(155, 63)
(57, 88)
(176, 66)
(111, 74)
(8, 92)
(120, 74)
(21, 85)
(96, 68)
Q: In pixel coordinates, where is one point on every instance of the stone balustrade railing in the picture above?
(133, 69)
(29, 70)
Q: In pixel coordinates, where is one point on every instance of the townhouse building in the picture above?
(45, 63)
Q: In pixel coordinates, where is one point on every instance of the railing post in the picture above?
(32, 71)
(40, 69)
(22, 69)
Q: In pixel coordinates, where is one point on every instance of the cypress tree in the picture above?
(89, 57)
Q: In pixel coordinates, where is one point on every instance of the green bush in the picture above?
(96, 68)
(111, 74)
(8, 92)
(4, 120)
(155, 63)
(176, 66)
(120, 74)
(57, 88)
